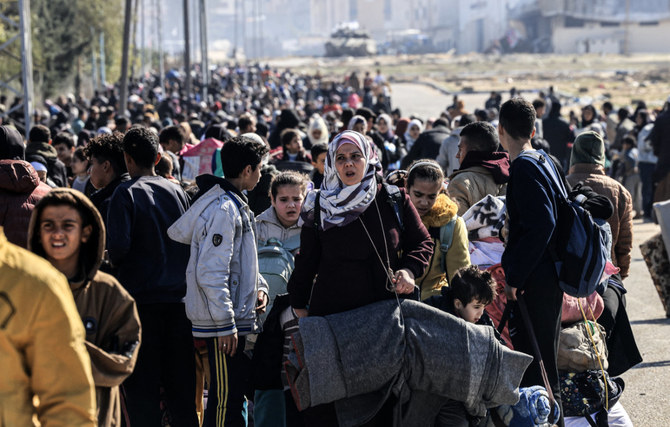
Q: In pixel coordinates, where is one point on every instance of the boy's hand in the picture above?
(404, 281)
(228, 344)
(261, 302)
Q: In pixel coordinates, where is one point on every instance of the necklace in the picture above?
(390, 286)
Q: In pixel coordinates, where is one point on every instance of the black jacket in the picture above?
(427, 146)
(557, 132)
(150, 265)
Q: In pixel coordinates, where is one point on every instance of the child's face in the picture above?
(295, 145)
(287, 204)
(79, 166)
(320, 162)
(61, 234)
(423, 193)
(471, 312)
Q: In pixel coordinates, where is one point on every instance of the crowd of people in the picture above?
(203, 239)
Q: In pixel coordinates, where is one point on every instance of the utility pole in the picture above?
(142, 44)
(123, 95)
(203, 49)
(103, 73)
(161, 65)
(134, 38)
(24, 36)
(26, 61)
(235, 41)
(94, 62)
(187, 58)
(244, 29)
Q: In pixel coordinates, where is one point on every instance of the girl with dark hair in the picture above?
(425, 186)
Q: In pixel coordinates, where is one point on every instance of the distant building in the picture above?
(597, 26)
(462, 25)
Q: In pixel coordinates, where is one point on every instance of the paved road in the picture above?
(647, 393)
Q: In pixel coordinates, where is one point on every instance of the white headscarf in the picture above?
(317, 122)
(409, 141)
(342, 204)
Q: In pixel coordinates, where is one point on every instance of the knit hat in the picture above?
(11, 144)
(588, 148)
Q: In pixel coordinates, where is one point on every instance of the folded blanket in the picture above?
(358, 358)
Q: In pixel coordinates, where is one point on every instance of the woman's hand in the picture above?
(300, 312)
(404, 281)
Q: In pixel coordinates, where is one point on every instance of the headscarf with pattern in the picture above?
(341, 204)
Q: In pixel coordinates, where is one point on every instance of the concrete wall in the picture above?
(642, 39)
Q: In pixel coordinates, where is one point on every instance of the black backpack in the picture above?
(580, 249)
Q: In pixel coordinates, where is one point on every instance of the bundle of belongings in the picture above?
(587, 390)
(412, 352)
(655, 254)
(485, 222)
(532, 410)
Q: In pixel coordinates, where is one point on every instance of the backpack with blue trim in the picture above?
(580, 248)
(276, 264)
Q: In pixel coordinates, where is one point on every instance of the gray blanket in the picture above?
(359, 358)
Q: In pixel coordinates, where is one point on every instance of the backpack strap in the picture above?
(396, 200)
(446, 239)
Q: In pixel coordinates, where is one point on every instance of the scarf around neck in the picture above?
(342, 204)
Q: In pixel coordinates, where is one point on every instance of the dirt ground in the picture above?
(623, 80)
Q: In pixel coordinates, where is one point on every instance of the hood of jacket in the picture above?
(441, 213)
(212, 187)
(44, 149)
(205, 183)
(496, 162)
(17, 176)
(90, 252)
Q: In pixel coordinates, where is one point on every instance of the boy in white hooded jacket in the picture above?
(225, 292)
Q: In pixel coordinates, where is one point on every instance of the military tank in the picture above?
(350, 42)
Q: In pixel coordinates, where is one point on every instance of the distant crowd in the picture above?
(286, 247)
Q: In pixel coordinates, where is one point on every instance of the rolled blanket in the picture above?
(532, 410)
(370, 352)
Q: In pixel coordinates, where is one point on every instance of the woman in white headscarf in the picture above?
(359, 245)
(317, 132)
(414, 129)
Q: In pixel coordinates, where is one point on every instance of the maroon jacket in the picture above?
(20, 190)
(348, 272)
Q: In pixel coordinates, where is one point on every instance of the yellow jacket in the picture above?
(42, 352)
(458, 254)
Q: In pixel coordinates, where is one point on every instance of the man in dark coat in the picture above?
(529, 269)
(427, 146)
(556, 131)
(39, 142)
(660, 141)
